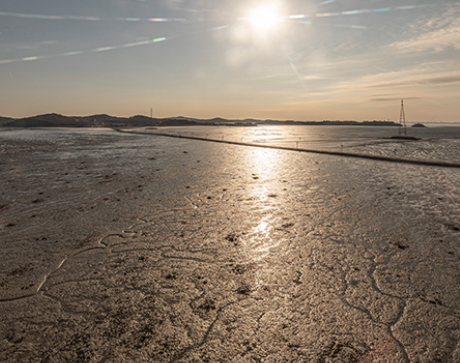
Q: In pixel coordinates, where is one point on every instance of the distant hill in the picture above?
(103, 120)
(218, 120)
(4, 120)
(48, 120)
(175, 122)
(56, 120)
(183, 118)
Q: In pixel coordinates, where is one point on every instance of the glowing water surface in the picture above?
(436, 143)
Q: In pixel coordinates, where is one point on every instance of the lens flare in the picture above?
(263, 18)
(88, 18)
(110, 48)
(370, 11)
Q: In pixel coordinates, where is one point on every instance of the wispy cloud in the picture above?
(433, 81)
(438, 34)
(393, 99)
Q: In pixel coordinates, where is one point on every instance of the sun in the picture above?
(263, 18)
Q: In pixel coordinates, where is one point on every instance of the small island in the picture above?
(418, 125)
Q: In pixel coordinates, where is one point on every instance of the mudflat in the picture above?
(119, 247)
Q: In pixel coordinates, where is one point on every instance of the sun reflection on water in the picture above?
(263, 227)
(265, 193)
(261, 241)
(266, 162)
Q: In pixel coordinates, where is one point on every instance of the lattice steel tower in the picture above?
(402, 120)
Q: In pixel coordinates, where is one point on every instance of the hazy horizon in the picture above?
(454, 123)
(291, 60)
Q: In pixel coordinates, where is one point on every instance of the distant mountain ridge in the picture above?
(4, 120)
(103, 120)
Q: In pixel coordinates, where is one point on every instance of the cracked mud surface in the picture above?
(130, 248)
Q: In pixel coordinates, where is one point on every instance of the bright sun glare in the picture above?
(263, 18)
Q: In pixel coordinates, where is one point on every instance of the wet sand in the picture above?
(139, 248)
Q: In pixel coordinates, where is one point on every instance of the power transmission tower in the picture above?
(402, 120)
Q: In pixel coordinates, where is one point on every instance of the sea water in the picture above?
(436, 143)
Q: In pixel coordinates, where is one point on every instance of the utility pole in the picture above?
(151, 112)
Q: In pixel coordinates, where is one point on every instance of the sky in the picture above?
(273, 59)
